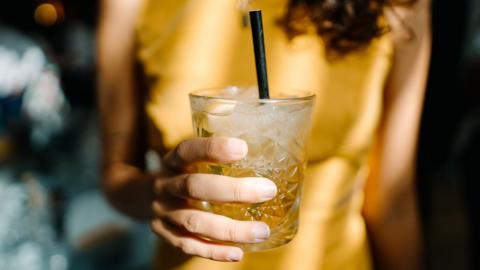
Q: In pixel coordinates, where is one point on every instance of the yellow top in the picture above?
(192, 44)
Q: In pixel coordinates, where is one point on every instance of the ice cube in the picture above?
(220, 108)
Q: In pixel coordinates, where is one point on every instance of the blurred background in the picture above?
(52, 214)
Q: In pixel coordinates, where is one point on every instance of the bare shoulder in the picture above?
(124, 10)
(408, 21)
(411, 35)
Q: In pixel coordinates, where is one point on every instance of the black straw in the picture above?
(259, 47)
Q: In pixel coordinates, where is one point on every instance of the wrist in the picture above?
(129, 189)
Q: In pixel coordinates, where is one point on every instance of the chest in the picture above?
(187, 45)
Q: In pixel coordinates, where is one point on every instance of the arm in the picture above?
(390, 209)
(163, 199)
(119, 102)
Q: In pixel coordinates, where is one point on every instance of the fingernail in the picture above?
(237, 147)
(234, 256)
(266, 190)
(261, 232)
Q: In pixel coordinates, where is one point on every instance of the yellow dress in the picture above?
(185, 45)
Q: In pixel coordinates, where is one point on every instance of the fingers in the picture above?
(218, 188)
(216, 149)
(216, 227)
(195, 246)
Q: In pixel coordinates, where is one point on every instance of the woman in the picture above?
(367, 61)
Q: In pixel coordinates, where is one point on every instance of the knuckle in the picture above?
(188, 186)
(217, 254)
(178, 244)
(186, 247)
(192, 223)
(233, 232)
(210, 147)
(155, 225)
(182, 149)
(208, 253)
(237, 190)
(157, 207)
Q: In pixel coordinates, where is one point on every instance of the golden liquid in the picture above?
(276, 134)
(273, 212)
(266, 158)
(280, 213)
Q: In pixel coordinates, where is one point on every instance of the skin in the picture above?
(390, 208)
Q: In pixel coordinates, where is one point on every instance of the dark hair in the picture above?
(343, 25)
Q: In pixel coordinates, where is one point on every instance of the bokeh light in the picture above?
(46, 14)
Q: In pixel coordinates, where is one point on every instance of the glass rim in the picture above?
(305, 95)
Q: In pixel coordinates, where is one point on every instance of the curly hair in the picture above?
(344, 25)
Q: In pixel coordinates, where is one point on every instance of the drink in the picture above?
(276, 132)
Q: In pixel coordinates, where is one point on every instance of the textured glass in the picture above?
(276, 132)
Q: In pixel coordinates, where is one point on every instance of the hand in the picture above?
(185, 227)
